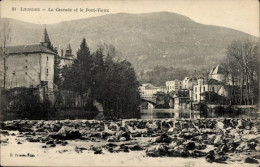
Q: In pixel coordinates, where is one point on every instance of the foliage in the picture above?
(6, 32)
(162, 100)
(26, 103)
(242, 70)
(99, 77)
(214, 98)
(77, 77)
(121, 98)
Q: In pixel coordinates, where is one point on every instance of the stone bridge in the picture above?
(151, 100)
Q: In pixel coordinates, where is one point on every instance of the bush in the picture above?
(26, 103)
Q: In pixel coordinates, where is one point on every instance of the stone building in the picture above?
(148, 90)
(30, 66)
(173, 85)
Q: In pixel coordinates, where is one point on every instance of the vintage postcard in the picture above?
(129, 83)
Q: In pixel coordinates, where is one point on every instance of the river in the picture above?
(188, 114)
(169, 113)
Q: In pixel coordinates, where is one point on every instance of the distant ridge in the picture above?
(146, 40)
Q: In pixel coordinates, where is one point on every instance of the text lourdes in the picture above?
(28, 9)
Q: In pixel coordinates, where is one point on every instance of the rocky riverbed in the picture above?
(164, 142)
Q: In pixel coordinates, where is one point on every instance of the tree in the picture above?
(104, 79)
(77, 77)
(6, 33)
(98, 75)
(242, 70)
(122, 96)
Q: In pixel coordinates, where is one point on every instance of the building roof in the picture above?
(45, 37)
(37, 48)
(217, 70)
(214, 82)
(147, 84)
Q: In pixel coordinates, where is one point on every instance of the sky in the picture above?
(241, 15)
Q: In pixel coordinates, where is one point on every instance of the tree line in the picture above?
(242, 71)
(102, 78)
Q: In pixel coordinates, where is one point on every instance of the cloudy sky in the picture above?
(242, 15)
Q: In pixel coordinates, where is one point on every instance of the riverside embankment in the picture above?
(202, 142)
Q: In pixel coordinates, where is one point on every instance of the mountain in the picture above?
(146, 40)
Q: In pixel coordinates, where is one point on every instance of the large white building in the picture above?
(173, 85)
(30, 66)
(215, 83)
(148, 90)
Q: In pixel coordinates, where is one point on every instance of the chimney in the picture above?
(61, 52)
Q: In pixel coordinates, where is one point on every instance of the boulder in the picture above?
(178, 151)
(33, 139)
(66, 133)
(4, 132)
(157, 150)
(112, 139)
(113, 126)
(197, 153)
(152, 125)
(210, 157)
(104, 135)
(218, 140)
(135, 147)
(126, 135)
(64, 143)
(50, 142)
(97, 150)
(173, 153)
(220, 159)
(122, 139)
(219, 125)
(243, 147)
(251, 160)
(172, 145)
(96, 134)
(163, 138)
(188, 135)
(190, 146)
(53, 145)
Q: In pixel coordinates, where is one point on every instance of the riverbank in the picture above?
(166, 142)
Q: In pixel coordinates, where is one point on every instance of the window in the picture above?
(26, 73)
(204, 89)
(213, 89)
(25, 67)
(13, 73)
(47, 71)
(26, 60)
(47, 58)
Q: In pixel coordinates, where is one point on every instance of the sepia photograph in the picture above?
(129, 83)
